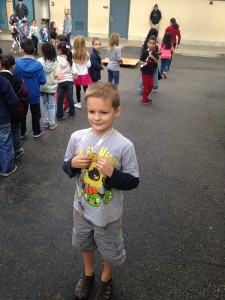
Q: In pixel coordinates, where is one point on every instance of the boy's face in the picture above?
(101, 114)
(34, 23)
(43, 25)
(66, 11)
(14, 23)
(24, 24)
(97, 45)
(151, 44)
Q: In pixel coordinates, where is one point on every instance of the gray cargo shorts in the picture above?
(108, 240)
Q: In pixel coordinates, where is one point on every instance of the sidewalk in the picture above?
(188, 50)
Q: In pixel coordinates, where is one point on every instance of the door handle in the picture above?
(111, 19)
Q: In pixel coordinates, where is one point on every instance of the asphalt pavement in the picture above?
(173, 223)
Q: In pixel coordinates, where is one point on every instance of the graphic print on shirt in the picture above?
(92, 183)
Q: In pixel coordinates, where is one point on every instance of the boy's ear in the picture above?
(118, 111)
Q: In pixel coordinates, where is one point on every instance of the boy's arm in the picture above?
(94, 62)
(121, 181)
(67, 168)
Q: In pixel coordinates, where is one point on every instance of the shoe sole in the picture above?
(14, 170)
(37, 136)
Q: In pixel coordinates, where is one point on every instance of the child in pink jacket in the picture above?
(166, 49)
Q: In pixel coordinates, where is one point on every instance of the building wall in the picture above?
(199, 22)
(57, 12)
(98, 18)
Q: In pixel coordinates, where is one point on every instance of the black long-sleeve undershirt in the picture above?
(119, 180)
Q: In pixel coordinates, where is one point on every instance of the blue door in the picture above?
(3, 14)
(79, 14)
(30, 6)
(119, 17)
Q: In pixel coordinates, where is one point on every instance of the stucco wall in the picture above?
(199, 22)
(57, 12)
(98, 17)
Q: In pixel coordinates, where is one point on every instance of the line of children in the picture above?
(68, 72)
(82, 62)
(48, 90)
(32, 72)
(114, 55)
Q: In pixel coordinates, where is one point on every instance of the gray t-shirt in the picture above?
(101, 206)
(67, 25)
(114, 56)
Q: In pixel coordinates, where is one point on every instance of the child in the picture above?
(15, 36)
(48, 90)
(16, 113)
(103, 162)
(23, 30)
(96, 62)
(44, 32)
(62, 38)
(53, 29)
(34, 35)
(166, 49)
(11, 19)
(82, 63)
(152, 31)
(32, 72)
(68, 72)
(114, 55)
(149, 60)
(8, 99)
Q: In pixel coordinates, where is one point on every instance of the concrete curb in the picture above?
(186, 50)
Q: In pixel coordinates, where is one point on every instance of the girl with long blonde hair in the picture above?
(82, 62)
(114, 55)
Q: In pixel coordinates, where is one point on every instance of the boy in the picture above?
(149, 60)
(44, 32)
(16, 114)
(23, 30)
(96, 63)
(8, 99)
(104, 163)
(34, 35)
(16, 36)
(32, 72)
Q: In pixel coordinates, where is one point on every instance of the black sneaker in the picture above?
(20, 153)
(83, 287)
(12, 170)
(39, 134)
(105, 291)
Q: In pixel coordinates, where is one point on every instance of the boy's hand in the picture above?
(104, 166)
(81, 161)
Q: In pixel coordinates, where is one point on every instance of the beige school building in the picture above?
(201, 21)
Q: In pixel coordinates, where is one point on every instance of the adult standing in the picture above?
(155, 17)
(21, 12)
(67, 25)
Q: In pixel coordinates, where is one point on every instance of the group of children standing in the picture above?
(21, 32)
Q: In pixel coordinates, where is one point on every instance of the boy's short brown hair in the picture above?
(104, 90)
(95, 39)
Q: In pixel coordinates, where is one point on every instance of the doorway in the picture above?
(119, 17)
